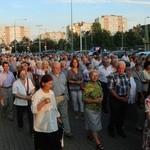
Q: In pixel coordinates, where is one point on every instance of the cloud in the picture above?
(102, 1)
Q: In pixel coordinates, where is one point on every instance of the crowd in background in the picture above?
(34, 84)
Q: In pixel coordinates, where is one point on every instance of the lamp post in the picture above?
(39, 26)
(122, 39)
(85, 40)
(81, 41)
(71, 29)
(146, 38)
(15, 31)
(80, 25)
(46, 36)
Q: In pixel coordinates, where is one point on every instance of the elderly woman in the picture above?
(145, 78)
(25, 66)
(45, 113)
(146, 132)
(45, 67)
(23, 89)
(92, 98)
(38, 73)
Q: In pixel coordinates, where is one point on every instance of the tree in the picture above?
(117, 39)
(23, 45)
(76, 41)
(101, 37)
(106, 39)
(96, 34)
(61, 44)
(51, 44)
(134, 37)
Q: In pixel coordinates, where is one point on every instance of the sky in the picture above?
(55, 15)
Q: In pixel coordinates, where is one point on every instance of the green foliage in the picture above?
(61, 44)
(96, 37)
(134, 36)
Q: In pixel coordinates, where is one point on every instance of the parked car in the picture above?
(48, 52)
(144, 53)
(75, 53)
(103, 53)
(119, 53)
(59, 52)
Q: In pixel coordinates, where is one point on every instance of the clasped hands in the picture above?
(123, 99)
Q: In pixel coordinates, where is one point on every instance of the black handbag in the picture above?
(60, 130)
(29, 101)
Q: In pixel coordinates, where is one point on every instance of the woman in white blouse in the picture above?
(46, 117)
(132, 99)
(23, 89)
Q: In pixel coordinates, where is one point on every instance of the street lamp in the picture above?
(80, 25)
(122, 39)
(39, 26)
(146, 39)
(71, 29)
(45, 37)
(15, 31)
(85, 39)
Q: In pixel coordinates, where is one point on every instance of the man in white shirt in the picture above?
(125, 57)
(96, 61)
(104, 71)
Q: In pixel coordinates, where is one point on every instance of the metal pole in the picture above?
(15, 35)
(122, 39)
(146, 39)
(145, 33)
(85, 41)
(39, 43)
(80, 40)
(39, 38)
(71, 29)
(91, 39)
(80, 24)
(15, 38)
(45, 46)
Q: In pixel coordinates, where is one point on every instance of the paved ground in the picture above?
(12, 139)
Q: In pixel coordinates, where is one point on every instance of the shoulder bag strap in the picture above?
(27, 86)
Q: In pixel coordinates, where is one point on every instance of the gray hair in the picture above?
(55, 63)
(45, 62)
(120, 62)
(92, 71)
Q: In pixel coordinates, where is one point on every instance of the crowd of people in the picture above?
(42, 87)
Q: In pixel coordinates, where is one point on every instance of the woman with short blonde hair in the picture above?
(92, 98)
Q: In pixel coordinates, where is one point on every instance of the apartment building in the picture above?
(55, 36)
(9, 34)
(2, 37)
(113, 23)
(80, 27)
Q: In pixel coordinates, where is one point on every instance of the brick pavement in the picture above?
(12, 139)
